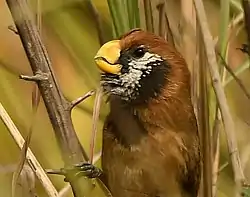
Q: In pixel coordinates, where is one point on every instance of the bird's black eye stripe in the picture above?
(138, 52)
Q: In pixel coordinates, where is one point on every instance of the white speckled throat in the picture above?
(127, 84)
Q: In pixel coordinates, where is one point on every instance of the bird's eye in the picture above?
(139, 52)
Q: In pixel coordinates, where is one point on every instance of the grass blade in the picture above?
(119, 16)
(21, 163)
(133, 13)
(237, 72)
(149, 15)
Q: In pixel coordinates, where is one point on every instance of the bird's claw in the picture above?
(84, 169)
(89, 170)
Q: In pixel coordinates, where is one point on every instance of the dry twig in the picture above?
(237, 80)
(96, 113)
(32, 161)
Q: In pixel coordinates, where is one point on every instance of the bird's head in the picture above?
(139, 65)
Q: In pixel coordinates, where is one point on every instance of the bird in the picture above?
(151, 144)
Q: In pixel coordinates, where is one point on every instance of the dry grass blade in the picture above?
(32, 161)
(237, 80)
(219, 92)
(149, 15)
(164, 29)
(27, 182)
(64, 191)
(169, 34)
(21, 163)
(216, 149)
(96, 113)
(189, 39)
(161, 28)
(35, 98)
(203, 114)
(189, 43)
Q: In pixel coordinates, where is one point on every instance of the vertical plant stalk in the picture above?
(149, 15)
(224, 22)
(190, 44)
(133, 13)
(219, 92)
(164, 29)
(161, 27)
(216, 149)
(119, 17)
(203, 114)
(57, 106)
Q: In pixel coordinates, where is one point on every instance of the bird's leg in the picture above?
(84, 169)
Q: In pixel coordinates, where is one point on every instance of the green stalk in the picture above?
(133, 13)
(118, 11)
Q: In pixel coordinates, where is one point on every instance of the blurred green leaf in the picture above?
(118, 10)
(133, 13)
(149, 15)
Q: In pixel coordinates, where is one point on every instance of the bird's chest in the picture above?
(137, 171)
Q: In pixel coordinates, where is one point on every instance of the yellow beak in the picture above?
(107, 57)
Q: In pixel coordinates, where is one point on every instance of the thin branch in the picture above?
(13, 29)
(32, 161)
(96, 114)
(81, 99)
(57, 106)
(64, 191)
(219, 92)
(37, 77)
(223, 166)
(237, 80)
